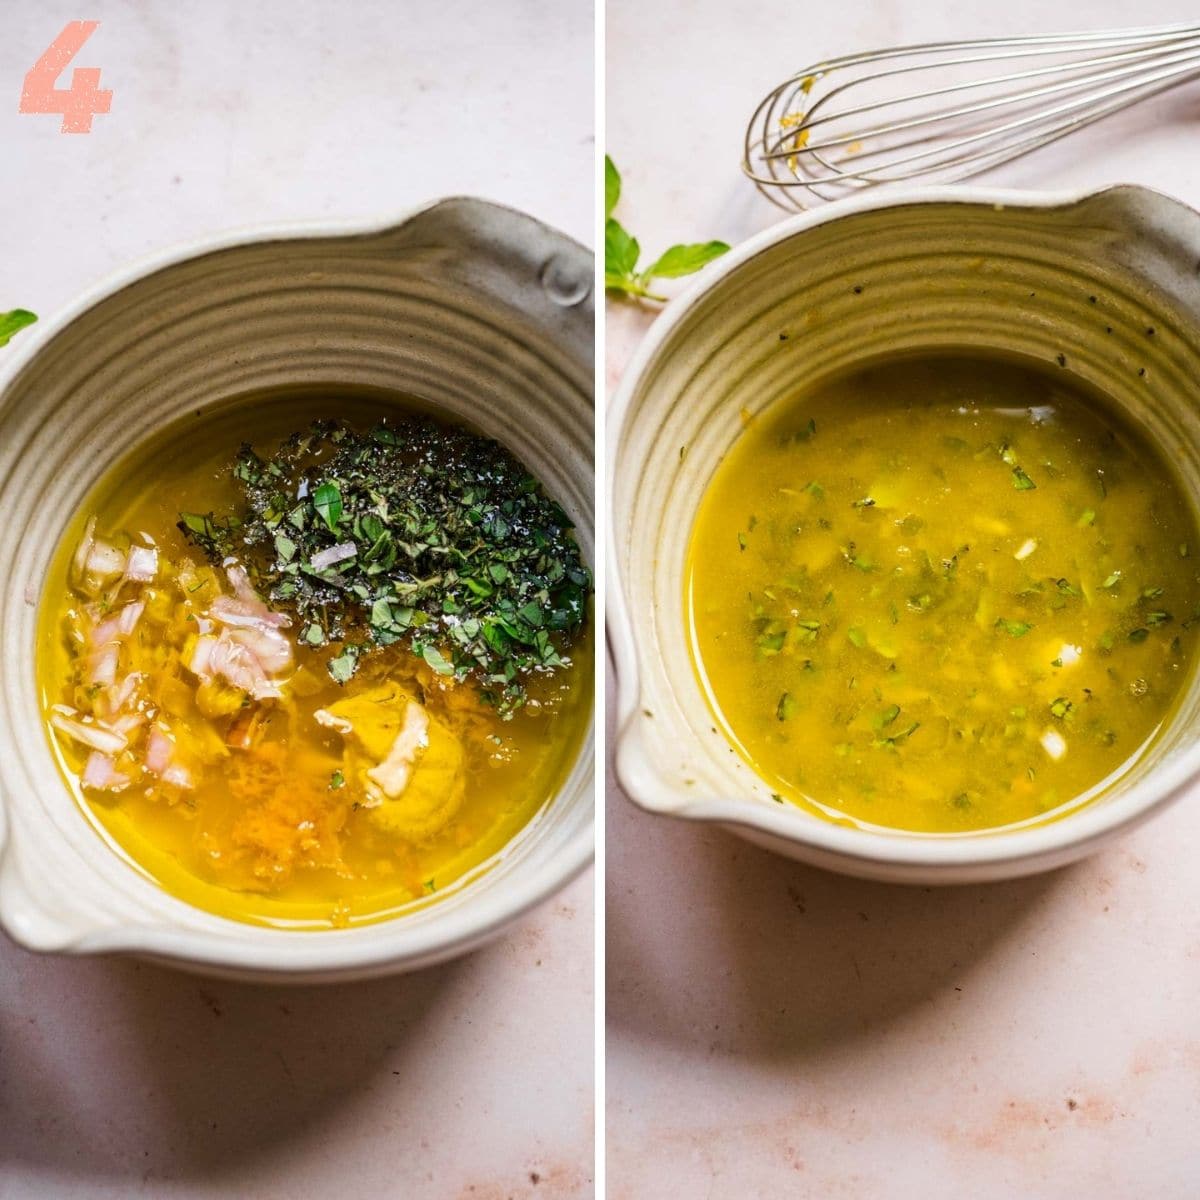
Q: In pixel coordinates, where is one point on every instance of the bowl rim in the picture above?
(1070, 836)
(241, 948)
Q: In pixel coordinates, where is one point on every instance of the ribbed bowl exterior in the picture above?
(1102, 286)
(482, 313)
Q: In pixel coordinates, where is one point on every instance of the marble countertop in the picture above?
(119, 1079)
(777, 1031)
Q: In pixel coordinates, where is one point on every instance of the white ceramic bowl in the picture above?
(481, 311)
(1075, 281)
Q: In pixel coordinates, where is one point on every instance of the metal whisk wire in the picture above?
(806, 138)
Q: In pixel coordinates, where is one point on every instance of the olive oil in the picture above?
(942, 595)
(285, 834)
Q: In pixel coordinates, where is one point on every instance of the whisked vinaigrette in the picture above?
(942, 594)
(316, 679)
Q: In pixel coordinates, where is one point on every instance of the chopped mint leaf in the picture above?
(1014, 628)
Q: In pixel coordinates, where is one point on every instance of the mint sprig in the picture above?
(622, 252)
(13, 322)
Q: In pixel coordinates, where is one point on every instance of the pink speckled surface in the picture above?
(774, 1031)
(473, 1081)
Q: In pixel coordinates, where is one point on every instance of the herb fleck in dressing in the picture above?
(942, 595)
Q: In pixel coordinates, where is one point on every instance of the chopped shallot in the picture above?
(159, 749)
(121, 624)
(129, 616)
(127, 723)
(332, 555)
(79, 561)
(239, 639)
(179, 776)
(229, 656)
(271, 648)
(115, 698)
(142, 565)
(96, 562)
(102, 665)
(160, 759)
(98, 736)
(252, 604)
(100, 772)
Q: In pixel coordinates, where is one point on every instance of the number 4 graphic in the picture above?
(83, 99)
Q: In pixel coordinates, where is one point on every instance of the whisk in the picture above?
(947, 110)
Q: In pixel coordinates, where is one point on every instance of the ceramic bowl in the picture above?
(1074, 281)
(482, 312)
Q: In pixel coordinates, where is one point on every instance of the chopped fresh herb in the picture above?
(1112, 580)
(771, 642)
(865, 502)
(1087, 517)
(342, 667)
(1021, 481)
(443, 540)
(1061, 707)
(1157, 618)
(1014, 628)
(742, 543)
(1151, 593)
(437, 660)
(1138, 635)
(337, 780)
(815, 489)
(786, 708)
(621, 251)
(897, 738)
(858, 561)
(888, 715)
(1065, 586)
(13, 322)
(327, 500)
(857, 637)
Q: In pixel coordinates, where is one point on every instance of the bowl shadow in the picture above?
(723, 948)
(136, 1072)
